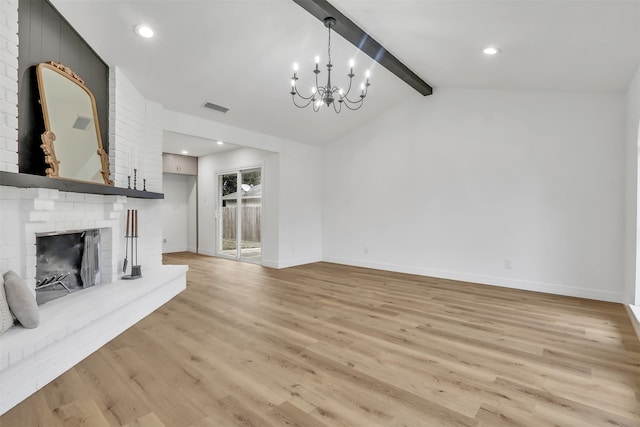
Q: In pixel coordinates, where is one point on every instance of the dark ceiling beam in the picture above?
(356, 36)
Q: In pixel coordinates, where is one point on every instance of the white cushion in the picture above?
(21, 301)
(6, 319)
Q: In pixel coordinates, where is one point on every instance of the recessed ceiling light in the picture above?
(144, 31)
(220, 142)
(184, 152)
(491, 50)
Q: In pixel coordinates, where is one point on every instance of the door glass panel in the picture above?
(228, 215)
(250, 213)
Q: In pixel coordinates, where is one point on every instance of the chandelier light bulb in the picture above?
(362, 86)
(367, 74)
(293, 82)
(351, 63)
(318, 103)
(295, 66)
(317, 59)
(341, 92)
(314, 90)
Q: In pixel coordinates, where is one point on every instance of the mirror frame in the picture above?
(48, 137)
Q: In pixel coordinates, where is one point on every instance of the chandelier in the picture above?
(327, 94)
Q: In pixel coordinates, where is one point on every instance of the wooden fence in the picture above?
(250, 223)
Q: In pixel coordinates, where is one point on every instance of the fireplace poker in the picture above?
(126, 244)
(136, 270)
(136, 237)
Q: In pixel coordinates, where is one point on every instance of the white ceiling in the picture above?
(238, 53)
(177, 143)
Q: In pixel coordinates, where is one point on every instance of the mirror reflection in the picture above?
(71, 142)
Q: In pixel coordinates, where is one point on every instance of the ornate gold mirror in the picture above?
(71, 142)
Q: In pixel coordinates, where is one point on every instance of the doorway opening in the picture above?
(239, 215)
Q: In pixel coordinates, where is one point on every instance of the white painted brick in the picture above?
(4, 361)
(11, 121)
(44, 205)
(74, 197)
(40, 343)
(12, 48)
(9, 193)
(8, 167)
(30, 271)
(39, 216)
(30, 250)
(9, 133)
(135, 127)
(15, 354)
(93, 198)
(10, 96)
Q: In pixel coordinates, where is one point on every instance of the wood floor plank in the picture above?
(325, 345)
(81, 413)
(149, 420)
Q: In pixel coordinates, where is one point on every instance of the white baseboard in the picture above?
(206, 252)
(173, 249)
(290, 262)
(634, 316)
(488, 280)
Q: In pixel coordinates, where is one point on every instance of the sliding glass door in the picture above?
(239, 214)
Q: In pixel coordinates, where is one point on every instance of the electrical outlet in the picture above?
(507, 264)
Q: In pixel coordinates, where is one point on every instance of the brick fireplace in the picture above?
(73, 327)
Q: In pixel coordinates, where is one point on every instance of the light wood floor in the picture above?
(329, 345)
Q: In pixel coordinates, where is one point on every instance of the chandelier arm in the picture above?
(362, 97)
(349, 88)
(301, 96)
(350, 101)
(336, 108)
(359, 105)
(293, 98)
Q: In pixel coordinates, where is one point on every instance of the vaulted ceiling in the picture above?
(239, 53)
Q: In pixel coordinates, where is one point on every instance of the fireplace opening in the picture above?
(66, 263)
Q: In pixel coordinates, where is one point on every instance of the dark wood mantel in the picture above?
(23, 180)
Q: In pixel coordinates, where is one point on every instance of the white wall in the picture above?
(300, 208)
(135, 141)
(454, 184)
(192, 214)
(135, 134)
(292, 232)
(178, 213)
(632, 222)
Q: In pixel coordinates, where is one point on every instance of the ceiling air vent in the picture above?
(215, 107)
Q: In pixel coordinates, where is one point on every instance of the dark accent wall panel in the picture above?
(44, 35)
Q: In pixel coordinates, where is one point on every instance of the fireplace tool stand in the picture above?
(132, 239)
